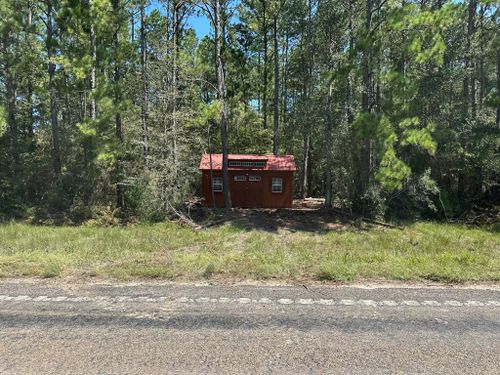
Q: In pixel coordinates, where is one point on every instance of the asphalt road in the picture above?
(49, 327)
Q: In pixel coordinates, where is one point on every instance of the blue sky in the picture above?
(198, 21)
(200, 24)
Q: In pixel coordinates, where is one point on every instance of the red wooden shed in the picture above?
(254, 180)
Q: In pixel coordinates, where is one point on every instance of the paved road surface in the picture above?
(59, 328)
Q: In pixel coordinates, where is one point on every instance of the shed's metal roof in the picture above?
(273, 163)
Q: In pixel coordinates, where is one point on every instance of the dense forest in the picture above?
(390, 107)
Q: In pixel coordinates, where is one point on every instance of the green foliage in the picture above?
(3, 122)
(392, 171)
(421, 138)
(398, 111)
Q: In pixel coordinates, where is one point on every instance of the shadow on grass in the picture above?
(292, 220)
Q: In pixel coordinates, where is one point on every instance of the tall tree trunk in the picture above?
(31, 117)
(276, 89)
(471, 29)
(10, 92)
(56, 153)
(83, 105)
(89, 93)
(362, 162)
(221, 96)
(93, 66)
(93, 63)
(117, 76)
(284, 105)
(349, 110)
(132, 26)
(259, 93)
(66, 114)
(481, 79)
(329, 152)
(175, 51)
(498, 87)
(264, 76)
(11, 116)
(308, 59)
(144, 84)
(329, 162)
(120, 201)
(305, 167)
(469, 86)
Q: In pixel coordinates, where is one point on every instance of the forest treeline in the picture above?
(391, 107)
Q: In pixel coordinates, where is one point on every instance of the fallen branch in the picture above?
(184, 219)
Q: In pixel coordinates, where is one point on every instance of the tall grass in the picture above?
(431, 251)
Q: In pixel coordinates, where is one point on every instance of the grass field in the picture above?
(430, 251)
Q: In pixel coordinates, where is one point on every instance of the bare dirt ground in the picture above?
(308, 204)
(306, 215)
(309, 215)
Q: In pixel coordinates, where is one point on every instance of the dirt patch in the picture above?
(307, 215)
(71, 282)
(308, 203)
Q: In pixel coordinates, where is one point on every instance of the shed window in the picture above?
(217, 184)
(254, 178)
(240, 178)
(277, 185)
(250, 164)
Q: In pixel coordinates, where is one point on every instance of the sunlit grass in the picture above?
(440, 252)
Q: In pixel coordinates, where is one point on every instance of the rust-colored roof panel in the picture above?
(273, 163)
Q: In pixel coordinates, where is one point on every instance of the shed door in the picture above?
(254, 191)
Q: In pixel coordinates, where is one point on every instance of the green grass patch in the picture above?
(422, 251)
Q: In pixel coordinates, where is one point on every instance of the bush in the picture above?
(104, 217)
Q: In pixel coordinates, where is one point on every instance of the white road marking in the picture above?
(303, 301)
(327, 302)
(243, 300)
(203, 300)
(22, 298)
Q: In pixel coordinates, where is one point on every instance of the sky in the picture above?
(200, 24)
(198, 21)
